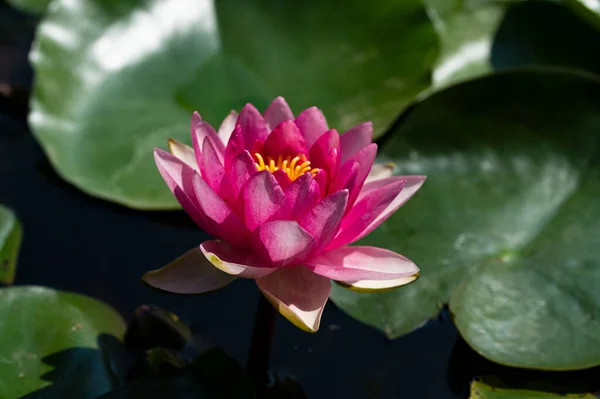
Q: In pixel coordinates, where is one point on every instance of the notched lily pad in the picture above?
(479, 390)
(101, 104)
(506, 227)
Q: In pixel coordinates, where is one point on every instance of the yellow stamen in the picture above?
(293, 167)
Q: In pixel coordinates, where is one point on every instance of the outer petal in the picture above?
(362, 263)
(298, 294)
(262, 199)
(183, 152)
(227, 127)
(178, 177)
(253, 127)
(235, 146)
(355, 140)
(242, 167)
(323, 220)
(312, 124)
(202, 129)
(191, 273)
(213, 172)
(283, 242)
(226, 223)
(365, 159)
(378, 285)
(380, 171)
(285, 140)
(277, 112)
(235, 261)
(301, 195)
(325, 153)
(378, 201)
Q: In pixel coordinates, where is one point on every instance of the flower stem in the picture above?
(257, 364)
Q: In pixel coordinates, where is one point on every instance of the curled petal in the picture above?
(377, 202)
(225, 222)
(312, 124)
(238, 262)
(191, 273)
(227, 127)
(377, 285)
(355, 140)
(323, 220)
(253, 127)
(298, 294)
(183, 152)
(283, 242)
(277, 112)
(201, 130)
(301, 195)
(262, 199)
(285, 140)
(380, 171)
(178, 177)
(355, 264)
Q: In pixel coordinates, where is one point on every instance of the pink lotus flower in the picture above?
(283, 197)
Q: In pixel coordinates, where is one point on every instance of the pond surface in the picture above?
(78, 243)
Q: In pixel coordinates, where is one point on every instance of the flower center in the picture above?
(293, 167)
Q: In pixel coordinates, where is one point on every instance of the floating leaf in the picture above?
(479, 390)
(10, 241)
(507, 222)
(54, 344)
(114, 79)
(214, 375)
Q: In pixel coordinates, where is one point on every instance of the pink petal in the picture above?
(226, 223)
(346, 177)
(381, 198)
(253, 126)
(242, 167)
(183, 152)
(236, 261)
(191, 273)
(277, 112)
(380, 171)
(312, 124)
(325, 153)
(301, 195)
(283, 242)
(378, 285)
(321, 179)
(214, 173)
(365, 159)
(227, 127)
(202, 129)
(235, 146)
(285, 140)
(178, 177)
(262, 199)
(362, 263)
(282, 178)
(355, 140)
(298, 294)
(323, 220)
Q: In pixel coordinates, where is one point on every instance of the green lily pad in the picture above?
(30, 6)
(214, 375)
(114, 79)
(506, 226)
(479, 390)
(588, 10)
(10, 242)
(53, 344)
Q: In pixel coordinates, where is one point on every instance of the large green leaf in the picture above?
(507, 222)
(10, 241)
(214, 375)
(52, 344)
(114, 79)
(479, 390)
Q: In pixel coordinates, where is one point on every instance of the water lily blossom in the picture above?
(284, 196)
